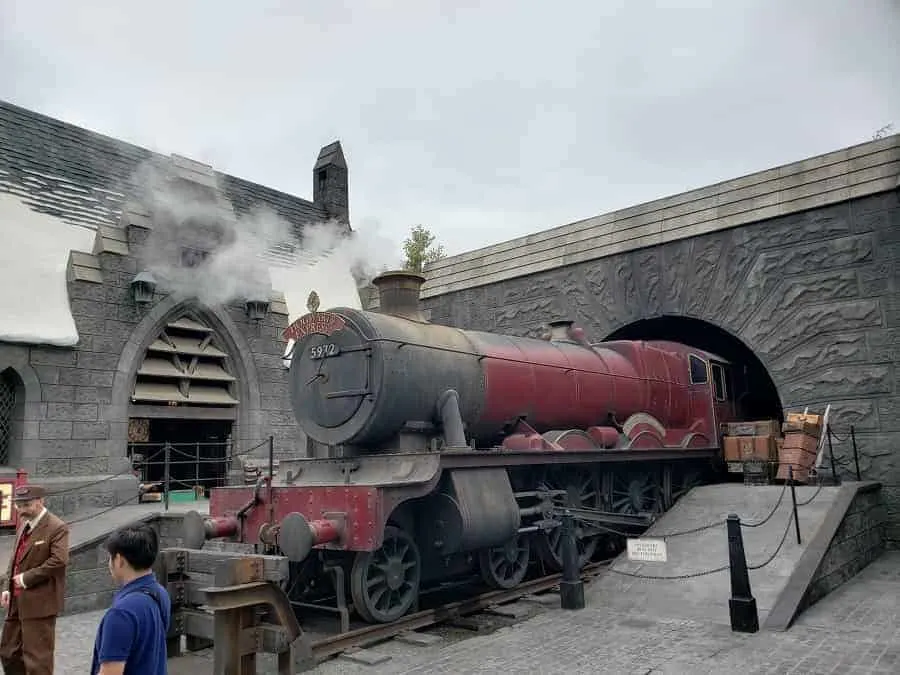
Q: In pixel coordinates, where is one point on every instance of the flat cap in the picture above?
(25, 493)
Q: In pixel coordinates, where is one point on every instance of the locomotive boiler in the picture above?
(447, 451)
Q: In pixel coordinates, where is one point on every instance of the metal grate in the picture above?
(7, 406)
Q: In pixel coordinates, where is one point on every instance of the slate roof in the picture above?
(81, 176)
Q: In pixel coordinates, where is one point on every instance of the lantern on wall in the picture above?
(142, 288)
(257, 309)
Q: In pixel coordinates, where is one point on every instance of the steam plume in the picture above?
(248, 254)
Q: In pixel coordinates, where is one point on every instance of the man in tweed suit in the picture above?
(35, 588)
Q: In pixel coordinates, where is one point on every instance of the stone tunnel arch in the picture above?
(761, 401)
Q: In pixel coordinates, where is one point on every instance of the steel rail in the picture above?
(328, 647)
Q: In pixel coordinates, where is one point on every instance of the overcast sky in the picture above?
(483, 119)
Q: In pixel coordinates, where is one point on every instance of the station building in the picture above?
(142, 303)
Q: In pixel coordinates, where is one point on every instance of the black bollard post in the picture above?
(742, 605)
(571, 588)
(831, 455)
(794, 501)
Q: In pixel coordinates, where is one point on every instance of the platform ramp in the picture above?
(841, 531)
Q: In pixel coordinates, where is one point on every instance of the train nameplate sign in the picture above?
(321, 323)
(647, 550)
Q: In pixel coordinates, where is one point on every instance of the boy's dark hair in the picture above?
(138, 544)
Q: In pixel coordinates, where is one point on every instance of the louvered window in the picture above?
(7, 408)
(185, 366)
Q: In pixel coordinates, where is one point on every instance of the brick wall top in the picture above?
(831, 178)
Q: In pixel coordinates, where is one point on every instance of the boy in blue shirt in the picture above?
(131, 638)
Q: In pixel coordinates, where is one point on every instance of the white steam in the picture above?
(247, 256)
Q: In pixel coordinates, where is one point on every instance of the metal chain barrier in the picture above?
(130, 471)
(91, 516)
(716, 570)
(787, 528)
(655, 577)
(149, 461)
(815, 494)
(105, 479)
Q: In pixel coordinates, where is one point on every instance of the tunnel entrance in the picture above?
(759, 399)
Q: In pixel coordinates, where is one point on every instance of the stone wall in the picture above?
(858, 541)
(88, 584)
(813, 294)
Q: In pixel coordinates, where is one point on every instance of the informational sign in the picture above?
(6, 507)
(647, 550)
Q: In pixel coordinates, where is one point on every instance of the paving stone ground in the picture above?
(854, 630)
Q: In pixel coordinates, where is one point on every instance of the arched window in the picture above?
(8, 388)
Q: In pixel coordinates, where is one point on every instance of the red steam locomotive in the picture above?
(446, 451)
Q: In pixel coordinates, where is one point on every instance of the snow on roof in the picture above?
(34, 299)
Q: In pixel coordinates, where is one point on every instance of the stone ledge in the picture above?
(832, 178)
(794, 597)
(111, 240)
(83, 267)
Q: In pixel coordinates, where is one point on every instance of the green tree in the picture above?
(420, 249)
(883, 131)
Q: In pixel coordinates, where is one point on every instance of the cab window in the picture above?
(698, 370)
(718, 375)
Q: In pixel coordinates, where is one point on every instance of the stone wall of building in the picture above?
(69, 426)
(815, 295)
(74, 430)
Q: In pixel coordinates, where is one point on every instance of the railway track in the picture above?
(328, 647)
(324, 645)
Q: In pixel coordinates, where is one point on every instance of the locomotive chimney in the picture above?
(398, 294)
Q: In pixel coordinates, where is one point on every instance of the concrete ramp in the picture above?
(841, 531)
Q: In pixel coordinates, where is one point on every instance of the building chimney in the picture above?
(331, 184)
(560, 330)
(398, 294)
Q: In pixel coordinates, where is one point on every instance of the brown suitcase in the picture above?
(760, 428)
(799, 451)
(750, 448)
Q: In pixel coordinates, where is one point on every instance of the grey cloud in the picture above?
(484, 120)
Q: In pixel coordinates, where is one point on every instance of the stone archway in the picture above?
(762, 400)
(246, 428)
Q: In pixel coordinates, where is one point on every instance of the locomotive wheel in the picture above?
(582, 491)
(687, 480)
(384, 584)
(505, 566)
(637, 492)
